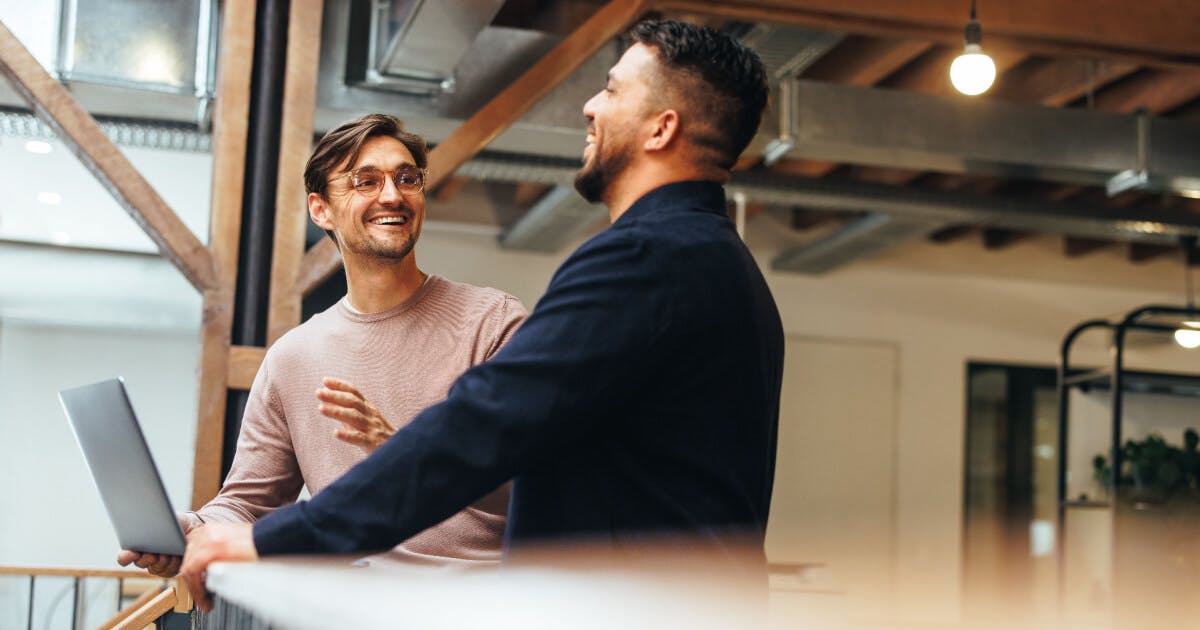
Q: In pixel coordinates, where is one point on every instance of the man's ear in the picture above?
(318, 211)
(664, 132)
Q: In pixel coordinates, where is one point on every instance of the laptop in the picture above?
(115, 449)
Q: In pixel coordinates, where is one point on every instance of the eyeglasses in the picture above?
(368, 180)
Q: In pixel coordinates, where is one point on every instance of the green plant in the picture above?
(1153, 464)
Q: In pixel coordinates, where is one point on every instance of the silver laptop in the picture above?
(111, 439)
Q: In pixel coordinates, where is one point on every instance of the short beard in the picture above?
(592, 181)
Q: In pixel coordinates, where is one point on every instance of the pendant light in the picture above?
(973, 72)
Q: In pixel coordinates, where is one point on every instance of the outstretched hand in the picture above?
(362, 423)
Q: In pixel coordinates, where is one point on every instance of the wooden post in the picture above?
(234, 68)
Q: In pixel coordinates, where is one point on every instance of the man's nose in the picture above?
(389, 192)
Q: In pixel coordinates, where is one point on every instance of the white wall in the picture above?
(50, 512)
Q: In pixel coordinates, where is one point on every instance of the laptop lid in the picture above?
(115, 449)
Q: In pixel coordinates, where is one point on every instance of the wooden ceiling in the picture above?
(1106, 55)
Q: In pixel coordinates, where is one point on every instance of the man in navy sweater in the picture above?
(641, 397)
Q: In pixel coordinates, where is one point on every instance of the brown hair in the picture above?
(343, 144)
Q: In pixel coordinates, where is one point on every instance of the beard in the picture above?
(597, 175)
(392, 250)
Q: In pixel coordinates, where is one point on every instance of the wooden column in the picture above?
(234, 67)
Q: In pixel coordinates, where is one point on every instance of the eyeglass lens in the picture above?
(370, 179)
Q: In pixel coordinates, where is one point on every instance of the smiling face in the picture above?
(615, 116)
(383, 225)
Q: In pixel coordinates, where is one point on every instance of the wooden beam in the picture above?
(449, 189)
(865, 61)
(997, 238)
(244, 362)
(1057, 82)
(807, 218)
(1157, 90)
(1142, 252)
(950, 234)
(499, 114)
(295, 143)
(1149, 32)
(230, 129)
(525, 193)
(1075, 247)
(76, 128)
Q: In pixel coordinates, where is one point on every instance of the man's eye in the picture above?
(408, 177)
(368, 179)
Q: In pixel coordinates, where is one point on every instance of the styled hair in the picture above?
(343, 143)
(721, 82)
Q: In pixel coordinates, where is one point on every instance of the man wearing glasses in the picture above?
(400, 336)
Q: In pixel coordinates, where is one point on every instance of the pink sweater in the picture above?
(403, 360)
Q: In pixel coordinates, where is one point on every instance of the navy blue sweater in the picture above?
(640, 397)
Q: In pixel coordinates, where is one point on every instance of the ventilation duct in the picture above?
(415, 45)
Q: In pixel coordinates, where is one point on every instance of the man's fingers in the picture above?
(349, 417)
(193, 572)
(356, 438)
(146, 560)
(126, 556)
(340, 385)
(343, 399)
(167, 566)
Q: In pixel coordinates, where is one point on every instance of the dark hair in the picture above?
(721, 81)
(343, 144)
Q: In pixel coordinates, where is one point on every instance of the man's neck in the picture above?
(376, 285)
(637, 181)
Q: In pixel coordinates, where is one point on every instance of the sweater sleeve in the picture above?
(264, 474)
(505, 323)
(587, 347)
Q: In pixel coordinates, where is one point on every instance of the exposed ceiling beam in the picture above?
(1144, 252)
(950, 234)
(1156, 89)
(865, 61)
(1056, 82)
(1075, 247)
(861, 238)
(322, 260)
(999, 238)
(559, 217)
(76, 128)
(1148, 32)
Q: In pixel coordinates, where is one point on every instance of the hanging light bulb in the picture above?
(973, 72)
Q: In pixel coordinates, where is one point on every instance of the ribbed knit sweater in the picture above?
(402, 360)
